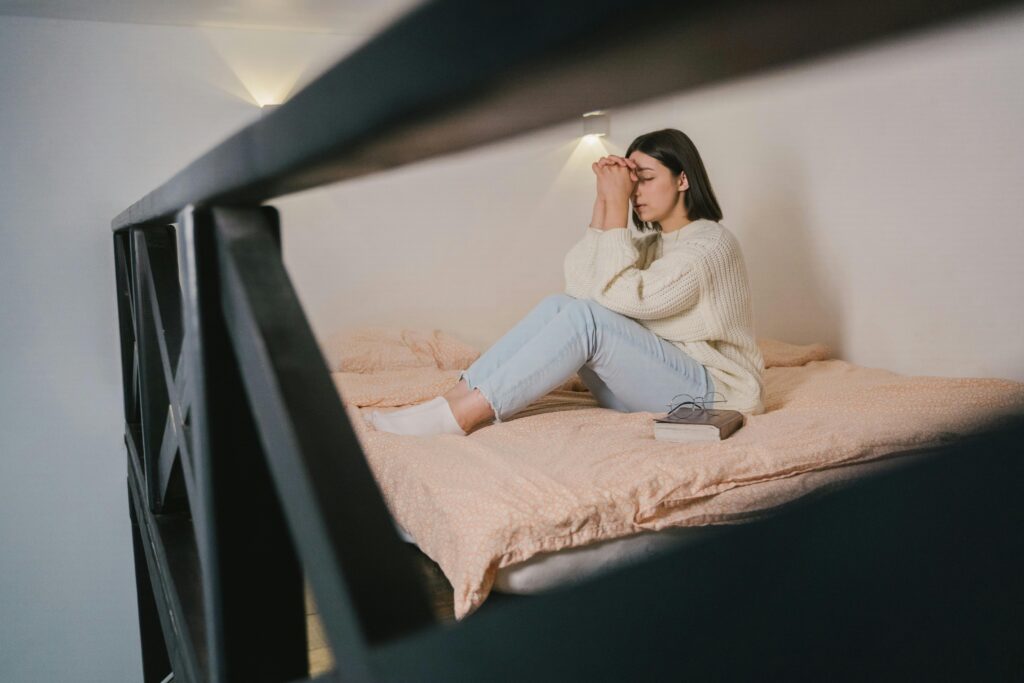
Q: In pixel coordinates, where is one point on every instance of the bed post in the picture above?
(363, 576)
(212, 338)
(156, 662)
(251, 578)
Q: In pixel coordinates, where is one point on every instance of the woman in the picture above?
(643, 320)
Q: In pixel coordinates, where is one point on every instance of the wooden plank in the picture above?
(152, 380)
(158, 270)
(171, 565)
(181, 387)
(156, 663)
(362, 573)
(175, 485)
(167, 456)
(159, 261)
(126, 327)
(454, 74)
(255, 621)
(135, 384)
(180, 410)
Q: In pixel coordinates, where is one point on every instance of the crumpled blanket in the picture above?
(565, 472)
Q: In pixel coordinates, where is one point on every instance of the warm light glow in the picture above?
(590, 149)
(576, 177)
(268, 66)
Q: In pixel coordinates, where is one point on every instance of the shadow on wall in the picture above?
(794, 290)
(474, 239)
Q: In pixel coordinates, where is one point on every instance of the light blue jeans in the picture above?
(626, 366)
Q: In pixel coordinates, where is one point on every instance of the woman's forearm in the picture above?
(597, 220)
(616, 213)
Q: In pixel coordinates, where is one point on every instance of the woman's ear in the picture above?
(684, 182)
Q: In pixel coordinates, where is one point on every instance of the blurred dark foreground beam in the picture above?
(454, 74)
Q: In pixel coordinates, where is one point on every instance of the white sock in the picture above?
(368, 414)
(427, 419)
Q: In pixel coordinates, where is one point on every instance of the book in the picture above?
(697, 425)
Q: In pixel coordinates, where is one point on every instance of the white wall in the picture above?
(92, 116)
(875, 196)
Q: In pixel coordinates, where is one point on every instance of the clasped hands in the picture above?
(616, 181)
(616, 177)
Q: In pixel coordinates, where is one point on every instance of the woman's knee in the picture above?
(584, 314)
(598, 312)
(554, 302)
(581, 313)
(558, 299)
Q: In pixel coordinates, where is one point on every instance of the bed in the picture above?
(566, 489)
(246, 474)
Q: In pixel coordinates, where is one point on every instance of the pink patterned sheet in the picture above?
(566, 472)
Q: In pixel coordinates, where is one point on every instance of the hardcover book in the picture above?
(697, 425)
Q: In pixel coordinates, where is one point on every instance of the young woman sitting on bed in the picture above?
(644, 319)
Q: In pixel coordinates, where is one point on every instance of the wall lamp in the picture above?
(596, 123)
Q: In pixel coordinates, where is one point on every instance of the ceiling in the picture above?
(348, 17)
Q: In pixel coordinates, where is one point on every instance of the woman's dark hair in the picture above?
(675, 150)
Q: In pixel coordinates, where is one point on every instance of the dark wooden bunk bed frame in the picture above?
(245, 477)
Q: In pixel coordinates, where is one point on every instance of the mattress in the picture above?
(568, 474)
(548, 570)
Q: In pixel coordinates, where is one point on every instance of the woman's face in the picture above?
(659, 193)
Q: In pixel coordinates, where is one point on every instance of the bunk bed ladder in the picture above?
(242, 463)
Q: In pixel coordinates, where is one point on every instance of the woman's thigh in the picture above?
(632, 369)
(514, 339)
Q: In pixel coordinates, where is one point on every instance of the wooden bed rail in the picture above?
(244, 474)
(337, 515)
(250, 466)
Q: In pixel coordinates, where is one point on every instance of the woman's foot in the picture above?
(471, 409)
(458, 391)
(425, 419)
(457, 412)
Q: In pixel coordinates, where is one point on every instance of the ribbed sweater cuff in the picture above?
(618, 235)
(615, 251)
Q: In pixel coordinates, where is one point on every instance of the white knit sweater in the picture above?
(688, 287)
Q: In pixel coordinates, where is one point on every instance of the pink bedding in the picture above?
(566, 472)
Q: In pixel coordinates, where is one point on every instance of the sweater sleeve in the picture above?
(578, 265)
(668, 286)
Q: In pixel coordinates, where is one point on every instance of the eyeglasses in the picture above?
(695, 404)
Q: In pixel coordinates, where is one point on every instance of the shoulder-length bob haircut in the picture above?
(675, 150)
